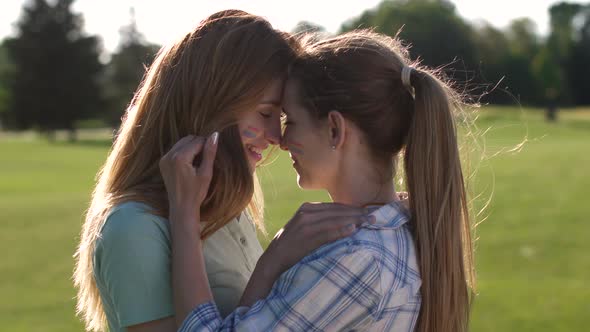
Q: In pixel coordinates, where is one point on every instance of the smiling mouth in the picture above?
(255, 152)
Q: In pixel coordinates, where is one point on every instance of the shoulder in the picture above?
(132, 238)
(132, 264)
(394, 253)
(391, 251)
(134, 219)
(365, 243)
(133, 226)
(350, 254)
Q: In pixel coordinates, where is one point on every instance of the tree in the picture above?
(6, 76)
(578, 69)
(308, 27)
(549, 76)
(523, 37)
(125, 70)
(524, 45)
(56, 68)
(436, 33)
(493, 49)
(559, 47)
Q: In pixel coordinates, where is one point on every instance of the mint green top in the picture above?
(132, 265)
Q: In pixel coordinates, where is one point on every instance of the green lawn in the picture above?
(532, 251)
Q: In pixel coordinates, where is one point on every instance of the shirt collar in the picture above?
(389, 216)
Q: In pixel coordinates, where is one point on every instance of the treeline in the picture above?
(508, 66)
(51, 76)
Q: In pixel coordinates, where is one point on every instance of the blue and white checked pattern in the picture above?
(366, 282)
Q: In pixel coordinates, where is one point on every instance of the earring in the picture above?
(333, 147)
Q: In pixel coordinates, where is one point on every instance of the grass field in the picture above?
(532, 252)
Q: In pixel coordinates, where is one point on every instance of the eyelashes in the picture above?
(267, 111)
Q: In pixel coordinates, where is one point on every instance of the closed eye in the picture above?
(265, 115)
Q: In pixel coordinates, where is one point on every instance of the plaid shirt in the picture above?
(366, 282)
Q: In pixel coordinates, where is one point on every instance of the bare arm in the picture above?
(260, 283)
(187, 187)
(313, 225)
(189, 276)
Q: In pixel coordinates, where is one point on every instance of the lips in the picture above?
(255, 149)
(255, 152)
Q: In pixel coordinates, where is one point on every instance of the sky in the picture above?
(162, 22)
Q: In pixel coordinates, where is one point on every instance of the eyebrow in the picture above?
(271, 102)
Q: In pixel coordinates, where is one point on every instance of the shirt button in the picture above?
(243, 240)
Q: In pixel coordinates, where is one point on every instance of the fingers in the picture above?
(180, 144)
(190, 150)
(402, 195)
(186, 149)
(206, 167)
(335, 214)
(336, 208)
(331, 230)
(342, 224)
(189, 147)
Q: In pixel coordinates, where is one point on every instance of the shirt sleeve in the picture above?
(133, 266)
(329, 293)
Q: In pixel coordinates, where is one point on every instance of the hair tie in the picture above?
(406, 74)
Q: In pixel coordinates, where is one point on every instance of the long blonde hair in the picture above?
(359, 74)
(198, 85)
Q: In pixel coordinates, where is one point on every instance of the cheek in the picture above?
(293, 142)
(250, 131)
(250, 127)
(297, 148)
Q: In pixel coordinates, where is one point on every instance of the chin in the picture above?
(304, 183)
(252, 165)
(300, 182)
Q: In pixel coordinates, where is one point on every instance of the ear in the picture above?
(337, 128)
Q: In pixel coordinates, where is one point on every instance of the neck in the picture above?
(356, 187)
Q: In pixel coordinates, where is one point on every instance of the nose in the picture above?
(283, 145)
(273, 139)
(273, 133)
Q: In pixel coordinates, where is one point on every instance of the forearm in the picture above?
(260, 283)
(315, 291)
(189, 277)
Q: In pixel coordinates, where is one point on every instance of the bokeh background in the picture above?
(68, 70)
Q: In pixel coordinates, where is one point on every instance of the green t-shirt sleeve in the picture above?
(133, 265)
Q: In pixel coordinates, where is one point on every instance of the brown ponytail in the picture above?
(439, 208)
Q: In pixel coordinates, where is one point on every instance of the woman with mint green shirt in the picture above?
(132, 237)
(226, 75)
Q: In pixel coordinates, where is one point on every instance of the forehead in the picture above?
(273, 92)
(292, 103)
(290, 93)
